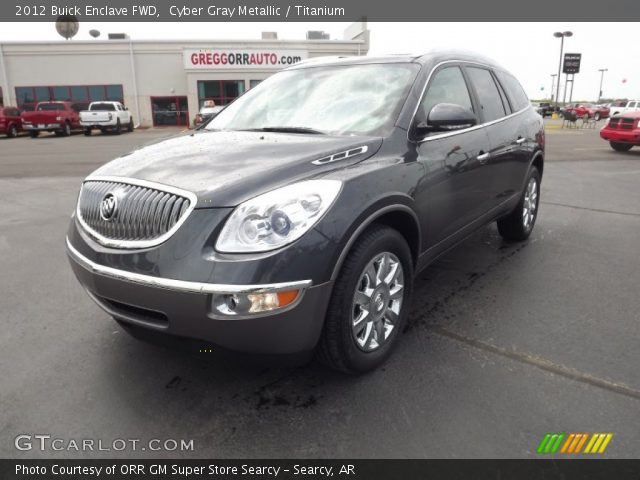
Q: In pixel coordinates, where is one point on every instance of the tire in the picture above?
(517, 226)
(66, 130)
(34, 133)
(350, 349)
(620, 147)
(87, 132)
(13, 131)
(130, 126)
(118, 129)
(596, 117)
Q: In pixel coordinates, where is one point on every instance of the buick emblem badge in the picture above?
(108, 207)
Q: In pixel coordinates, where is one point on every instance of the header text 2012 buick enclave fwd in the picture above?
(296, 220)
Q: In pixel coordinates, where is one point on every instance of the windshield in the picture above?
(341, 100)
(43, 107)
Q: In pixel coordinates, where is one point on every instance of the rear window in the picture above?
(518, 98)
(44, 107)
(488, 93)
(109, 107)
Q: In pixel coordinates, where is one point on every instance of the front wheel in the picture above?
(34, 133)
(369, 303)
(518, 225)
(596, 117)
(130, 126)
(13, 131)
(87, 132)
(620, 147)
(118, 129)
(66, 129)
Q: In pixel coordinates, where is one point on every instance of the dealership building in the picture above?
(161, 82)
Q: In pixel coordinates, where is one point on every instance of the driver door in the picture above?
(455, 190)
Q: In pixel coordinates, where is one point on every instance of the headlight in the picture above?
(277, 218)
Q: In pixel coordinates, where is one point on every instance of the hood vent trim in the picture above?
(352, 152)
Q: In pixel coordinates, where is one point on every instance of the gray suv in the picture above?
(295, 222)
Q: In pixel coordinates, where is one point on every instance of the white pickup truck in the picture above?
(106, 116)
(631, 106)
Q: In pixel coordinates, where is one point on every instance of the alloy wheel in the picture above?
(377, 301)
(530, 204)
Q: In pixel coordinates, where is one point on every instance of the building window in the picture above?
(170, 111)
(80, 94)
(222, 92)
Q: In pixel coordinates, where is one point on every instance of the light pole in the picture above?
(553, 82)
(601, 70)
(561, 36)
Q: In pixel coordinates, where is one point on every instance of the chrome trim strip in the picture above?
(457, 132)
(179, 285)
(108, 242)
(352, 152)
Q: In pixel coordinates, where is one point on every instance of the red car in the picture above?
(58, 117)
(622, 131)
(10, 121)
(587, 109)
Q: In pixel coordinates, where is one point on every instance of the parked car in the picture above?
(106, 116)
(57, 117)
(207, 113)
(587, 110)
(10, 121)
(545, 109)
(622, 131)
(630, 106)
(600, 112)
(284, 229)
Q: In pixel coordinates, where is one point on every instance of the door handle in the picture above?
(520, 140)
(483, 157)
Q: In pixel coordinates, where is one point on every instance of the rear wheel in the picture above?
(34, 133)
(518, 225)
(118, 129)
(369, 303)
(620, 147)
(87, 132)
(13, 131)
(66, 129)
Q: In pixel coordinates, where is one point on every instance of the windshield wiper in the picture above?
(287, 129)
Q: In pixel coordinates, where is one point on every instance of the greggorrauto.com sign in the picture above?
(213, 58)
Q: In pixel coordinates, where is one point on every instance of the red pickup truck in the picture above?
(57, 117)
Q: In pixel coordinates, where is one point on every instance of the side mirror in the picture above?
(447, 117)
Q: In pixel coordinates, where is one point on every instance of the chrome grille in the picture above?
(143, 215)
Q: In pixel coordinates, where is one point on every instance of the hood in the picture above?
(226, 168)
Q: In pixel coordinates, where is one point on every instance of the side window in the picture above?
(447, 86)
(505, 101)
(488, 94)
(515, 92)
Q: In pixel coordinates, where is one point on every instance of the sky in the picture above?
(528, 50)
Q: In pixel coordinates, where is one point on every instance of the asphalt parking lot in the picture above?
(505, 342)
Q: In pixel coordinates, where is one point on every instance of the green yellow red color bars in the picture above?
(573, 443)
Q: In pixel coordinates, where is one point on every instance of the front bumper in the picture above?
(623, 136)
(184, 309)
